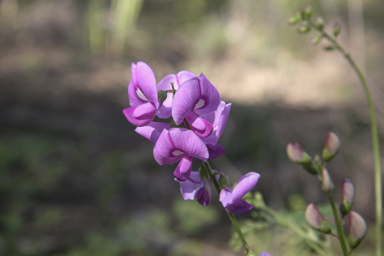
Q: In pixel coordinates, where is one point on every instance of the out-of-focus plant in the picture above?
(306, 24)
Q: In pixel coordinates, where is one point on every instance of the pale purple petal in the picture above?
(185, 99)
(188, 142)
(165, 110)
(142, 87)
(240, 206)
(199, 125)
(246, 184)
(215, 150)
(209, 95)
(226, 196)
(152, 131)
(146, 82)
(203, 196)
(140, 115)
(263, 253)
(184, 168)
(165, 83)
(183, 76)
(190, 187)
(164, 149)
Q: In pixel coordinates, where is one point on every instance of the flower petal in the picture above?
(215, 150)
(142, 87)
(184, 168)
(164, 148)
(204, 195)
(246, 184)
(190, 187)
(209, 95)
(189, 143)
(185, 100)
(226, 196)
(165, 83)
(165, 110)
(152, 131)
(199, 125)
(240, 206)
(140, 115)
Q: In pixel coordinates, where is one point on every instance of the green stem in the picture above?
(303, 235)
(232, 217)
(338, 225)
(375, 136)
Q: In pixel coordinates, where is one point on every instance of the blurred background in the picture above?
(77, 180)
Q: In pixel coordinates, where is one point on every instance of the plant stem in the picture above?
(375, 136)
(232, 217)
(338, 225)
(303, 235)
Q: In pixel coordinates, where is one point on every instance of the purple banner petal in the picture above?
(189, 143)
(246, 184)
(152, 131)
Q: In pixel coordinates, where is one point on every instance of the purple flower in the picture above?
(193, 187)
(263, 253)
(142, 94)
(194, 99)
(165, 85)
(218, 119)
(179, 144)
(152, 131)
(232, 199)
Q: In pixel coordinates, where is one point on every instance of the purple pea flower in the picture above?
(179, 144)
(232, 199)
(142, 93)
(193, 187)
(165, 85)
(218, 119)
(194, 99)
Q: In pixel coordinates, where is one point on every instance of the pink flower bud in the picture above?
(336, 29)
(331, 146)
(297, 155)
(316, 220)
(327, 185)
(348, 193)
(357, 229)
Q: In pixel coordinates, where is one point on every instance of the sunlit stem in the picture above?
(232, 217)
(375, 136)
(283, 221)
(338, 225)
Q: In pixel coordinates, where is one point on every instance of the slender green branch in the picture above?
(375, 136)
(315, 245)
(232, 217)
(338, 225)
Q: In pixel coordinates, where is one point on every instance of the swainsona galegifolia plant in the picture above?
(198, 118)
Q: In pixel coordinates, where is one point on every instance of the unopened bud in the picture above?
(223, 181)
(329, 48)
(348, 193)
(316, 220)
(295, 19)
(327, 185)
(304, 28)
(297, 155)
(357, 229)
(203, 173)
(320, 22)
(316, 40)
(306, 12)
(336, 29)
(331, 146)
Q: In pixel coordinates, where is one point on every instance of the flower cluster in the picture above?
(197, 119)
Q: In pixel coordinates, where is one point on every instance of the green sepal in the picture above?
(345, 207)
(203, 173)
(327, 156)
(162, 95)
(354, 243)
(223, 181)
(325, 228)
(311, 168)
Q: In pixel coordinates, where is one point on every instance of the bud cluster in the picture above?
(197, 119)
(314, 218)
(303, 18)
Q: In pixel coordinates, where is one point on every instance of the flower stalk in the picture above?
(375, 136)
